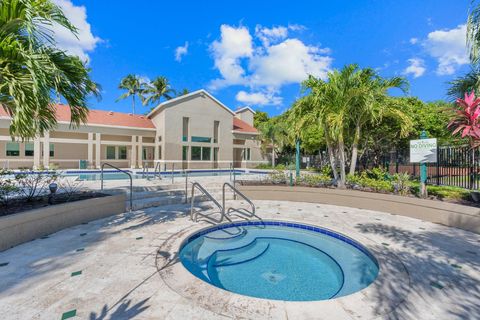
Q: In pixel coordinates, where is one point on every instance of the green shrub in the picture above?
(314, 180)
(264, 166)
(366, 179)
(402, 183)
(8, 189)
(277, 177)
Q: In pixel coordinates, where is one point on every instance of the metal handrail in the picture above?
(158, 170)
(236, 191)
(145, 170)
(127, 173)
(195, 213)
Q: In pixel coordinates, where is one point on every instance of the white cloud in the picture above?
(270, 35)
(86, 41)
(290, 61)
(265, 62)
(258, 98)
(416, 67)
(234, 44)
(448, 48)
(181, 51)
(413, 40)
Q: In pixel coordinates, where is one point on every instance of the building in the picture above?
(194, 131)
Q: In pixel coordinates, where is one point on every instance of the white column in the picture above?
(90, 150)
(46, 149)
(98, 150)
(140, 152)
(133, 156)
(37, 153)
(157, 149)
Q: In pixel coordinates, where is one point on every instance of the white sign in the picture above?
(423, 150)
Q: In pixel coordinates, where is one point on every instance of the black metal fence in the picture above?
(455, 166)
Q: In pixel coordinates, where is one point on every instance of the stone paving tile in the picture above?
(119, 275)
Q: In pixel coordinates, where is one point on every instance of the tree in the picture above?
(473, 33)
(273, 134)
(370, 104)
(159, 88)
(34, 73)
(467, 83)
(134, 86)
(259, 117)
(182, 92)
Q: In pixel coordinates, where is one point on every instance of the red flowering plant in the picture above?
(466, 119)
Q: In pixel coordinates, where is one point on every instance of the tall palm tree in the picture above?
(369, 104)
(159, 88)
(134, 86)
(473, 33)
(34, 73)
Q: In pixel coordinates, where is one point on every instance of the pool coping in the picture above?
(220, 301)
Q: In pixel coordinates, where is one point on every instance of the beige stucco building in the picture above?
(194, 131)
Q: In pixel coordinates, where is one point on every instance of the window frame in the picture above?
(17, 152)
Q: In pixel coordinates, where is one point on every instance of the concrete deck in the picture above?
(121, 267)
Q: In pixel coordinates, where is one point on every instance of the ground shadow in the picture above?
(122, 311)
(439, 265)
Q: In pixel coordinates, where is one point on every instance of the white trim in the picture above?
(94, 125)
(246, 133)
(201, 91)
(108, 126)
(245, 108)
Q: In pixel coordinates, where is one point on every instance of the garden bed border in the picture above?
(29, 225)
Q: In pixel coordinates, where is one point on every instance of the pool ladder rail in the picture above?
(123, 171)
(224, 212)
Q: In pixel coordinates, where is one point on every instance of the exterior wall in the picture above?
(163, 144)
(246, 115)
(202, 112)
(72, 145)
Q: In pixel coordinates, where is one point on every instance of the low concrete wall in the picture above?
(26, 226)
(449, 214)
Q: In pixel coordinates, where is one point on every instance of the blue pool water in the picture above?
(279, 260)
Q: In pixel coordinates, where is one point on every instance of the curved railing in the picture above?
(237, 192)
(194, 213)
(127, 173)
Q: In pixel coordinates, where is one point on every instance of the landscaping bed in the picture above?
(376, 180)
(21, 205)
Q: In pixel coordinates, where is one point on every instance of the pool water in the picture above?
(279, 260)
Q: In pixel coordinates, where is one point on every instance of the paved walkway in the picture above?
(108, 269)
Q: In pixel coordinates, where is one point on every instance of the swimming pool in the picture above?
(279, 260)
(115, 175)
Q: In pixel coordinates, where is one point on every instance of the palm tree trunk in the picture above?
(354, 157)
(341, 158)
(133, 104)
(273, 152)
(331, 158)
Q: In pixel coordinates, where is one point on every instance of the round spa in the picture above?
(279, 260)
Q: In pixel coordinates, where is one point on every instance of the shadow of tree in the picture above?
(123, 311)
(440, 265)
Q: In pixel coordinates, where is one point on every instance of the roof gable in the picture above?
(243, 127)
(187, 96)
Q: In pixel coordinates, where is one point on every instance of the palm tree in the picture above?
(273, 134)
(134, 86)
(34, 73)
(157, 89)
(182, 92)
(473, 34)
(369, 104)
(467, 83)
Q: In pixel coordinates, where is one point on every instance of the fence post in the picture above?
(438, 166)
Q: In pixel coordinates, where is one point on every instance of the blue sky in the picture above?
(256, 52)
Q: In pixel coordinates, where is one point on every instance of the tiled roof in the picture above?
(242, 126)
(101, 117)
